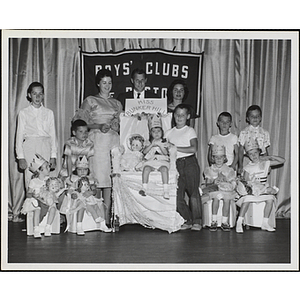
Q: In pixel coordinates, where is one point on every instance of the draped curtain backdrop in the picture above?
(236, 74)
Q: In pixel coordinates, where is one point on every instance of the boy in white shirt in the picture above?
(185, 139)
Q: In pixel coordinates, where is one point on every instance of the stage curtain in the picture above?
(236, 74)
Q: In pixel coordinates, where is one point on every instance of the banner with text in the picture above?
(161, 67)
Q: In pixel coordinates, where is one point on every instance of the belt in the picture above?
(184, 158)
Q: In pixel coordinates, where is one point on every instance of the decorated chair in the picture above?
(151, 210)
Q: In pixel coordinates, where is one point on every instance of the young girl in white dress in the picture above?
(156, 156)
(223, 176)
(256, 173)
(40, 169)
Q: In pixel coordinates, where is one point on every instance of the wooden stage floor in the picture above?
(134, 244)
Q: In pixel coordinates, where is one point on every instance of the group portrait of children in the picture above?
(237, 167)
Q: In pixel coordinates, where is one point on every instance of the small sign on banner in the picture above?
(148, 106)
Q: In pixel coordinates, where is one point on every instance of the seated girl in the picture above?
(40, 195)
(84, 196)
(223, 179)
(255, 175)
(81, 170)
(156, 156)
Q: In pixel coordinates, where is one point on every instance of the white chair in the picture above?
(255, 213)
(152, 210)
(88, 222)
(207, 213)
(55, 226)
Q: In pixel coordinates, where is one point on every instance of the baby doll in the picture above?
(49, 194)
(132, 161)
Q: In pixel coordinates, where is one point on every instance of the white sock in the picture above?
(166, 187)
(98, 220)
(214, 218)
(79, 224)
(240, 219)
(266, 221)
(224, 219)
(145, 185)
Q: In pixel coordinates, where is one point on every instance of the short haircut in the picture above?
(77, 124)
(183, 106)
(252, 108)
(101, 74)
(171, 87)
(225, 114)
(138, 71)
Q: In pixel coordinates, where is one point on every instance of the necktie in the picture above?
(138, 95)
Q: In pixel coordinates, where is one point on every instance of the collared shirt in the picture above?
(261, 135)
(135, 94)
(33, 123)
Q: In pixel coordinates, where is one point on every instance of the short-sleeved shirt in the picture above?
(74, 150)
(181, 138)
(262, 136)
(228, 140)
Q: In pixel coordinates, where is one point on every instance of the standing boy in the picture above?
(185, 139)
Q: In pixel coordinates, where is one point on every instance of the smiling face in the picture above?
(136, 145)
(253, 154)
(139, 82)
(178, 92)
(36, 96)
(105, 85)
(219, 160)
(181, 116)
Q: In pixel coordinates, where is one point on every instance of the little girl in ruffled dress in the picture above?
(156, 156)
(35, 201)
(255, 187)
(82, 198)
(223, 178)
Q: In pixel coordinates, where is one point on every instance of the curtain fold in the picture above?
(236, 74)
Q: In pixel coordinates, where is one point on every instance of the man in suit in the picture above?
(138, 80)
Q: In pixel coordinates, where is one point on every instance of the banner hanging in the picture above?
(161, 66)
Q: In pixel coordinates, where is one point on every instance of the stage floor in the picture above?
(134, 244)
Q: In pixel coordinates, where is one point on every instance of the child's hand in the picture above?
(22, 163)
(115, 125)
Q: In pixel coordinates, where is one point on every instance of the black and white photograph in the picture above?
(162, 150)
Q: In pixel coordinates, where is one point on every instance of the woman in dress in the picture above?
(101, 112)
(177, 93)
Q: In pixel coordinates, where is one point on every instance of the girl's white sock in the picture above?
(145, 185)
(166, 187)
(214, 218)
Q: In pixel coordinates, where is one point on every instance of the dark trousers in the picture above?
(188, 181)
